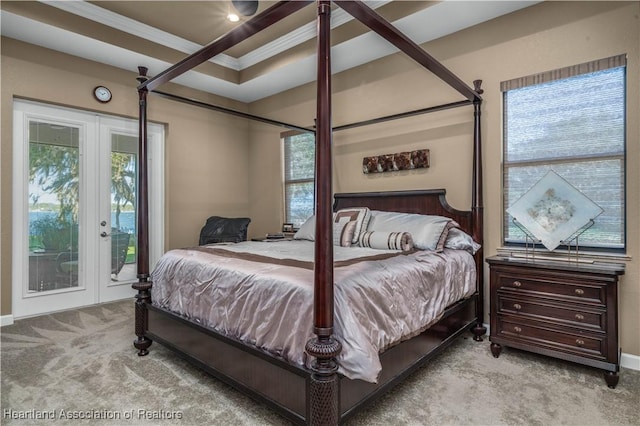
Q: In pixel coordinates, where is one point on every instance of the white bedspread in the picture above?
(381, 297)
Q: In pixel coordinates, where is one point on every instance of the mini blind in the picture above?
(572, 121)
(299, 172)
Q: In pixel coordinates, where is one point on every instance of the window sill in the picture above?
(564, 255)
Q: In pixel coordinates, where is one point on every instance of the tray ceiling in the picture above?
(156, 34)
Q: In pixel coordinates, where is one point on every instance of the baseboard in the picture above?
(6, 320)
(629, 361)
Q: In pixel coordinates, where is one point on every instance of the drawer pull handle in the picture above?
(579, 317)
(579, 342)
(517, 329)
(517, 284)
(517, 306)
(579, 291)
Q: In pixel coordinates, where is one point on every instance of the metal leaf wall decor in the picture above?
(418, 159)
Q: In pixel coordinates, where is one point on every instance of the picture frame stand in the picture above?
(572, 243)
(576, 237)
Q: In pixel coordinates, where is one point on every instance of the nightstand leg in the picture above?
(611, 378)
(495, 350)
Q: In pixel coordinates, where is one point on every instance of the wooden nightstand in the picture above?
(567, 310)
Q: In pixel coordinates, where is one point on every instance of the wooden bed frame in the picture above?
(318, 396)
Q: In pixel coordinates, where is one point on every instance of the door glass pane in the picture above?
(123, 207)
(54, 167)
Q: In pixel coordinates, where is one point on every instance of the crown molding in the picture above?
(131, 26)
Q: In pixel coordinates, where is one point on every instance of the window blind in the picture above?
(299, 173)
(571, 121)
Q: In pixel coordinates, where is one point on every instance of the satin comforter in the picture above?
(262, 294)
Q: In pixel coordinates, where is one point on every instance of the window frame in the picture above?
(618, 61)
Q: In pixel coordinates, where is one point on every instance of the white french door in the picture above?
(74, 207)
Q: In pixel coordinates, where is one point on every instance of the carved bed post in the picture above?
(323, 397)
(143, 285)
(477, 209)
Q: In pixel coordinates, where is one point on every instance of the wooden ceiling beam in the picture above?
(256, 24)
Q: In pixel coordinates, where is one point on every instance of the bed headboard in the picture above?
(430, 201)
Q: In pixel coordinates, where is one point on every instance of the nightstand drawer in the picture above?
(592, 346)
(570, 290)
(567, 310)
(594, 319)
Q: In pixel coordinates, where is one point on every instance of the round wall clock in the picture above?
(102, 94)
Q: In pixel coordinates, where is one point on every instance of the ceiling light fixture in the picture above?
(233, 17)
(245, 7)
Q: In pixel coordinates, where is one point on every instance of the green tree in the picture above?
(56, 170)
(123, 181)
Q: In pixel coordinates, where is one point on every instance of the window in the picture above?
(299, 172)
(571, 121)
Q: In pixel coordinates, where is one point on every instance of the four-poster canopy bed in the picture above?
(320, 391)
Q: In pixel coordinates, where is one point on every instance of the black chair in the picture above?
(67, 269)
(220, 229)
(119, 249)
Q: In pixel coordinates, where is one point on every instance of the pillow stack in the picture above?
(348, 224)
(358, 216)
(428, 232)
(392, 231)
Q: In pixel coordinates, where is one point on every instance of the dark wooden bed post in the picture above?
(142, 342)
(323, 392)
(477, 209)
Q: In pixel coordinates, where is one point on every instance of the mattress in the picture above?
(261, 293)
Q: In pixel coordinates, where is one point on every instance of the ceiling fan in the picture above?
(245, 7)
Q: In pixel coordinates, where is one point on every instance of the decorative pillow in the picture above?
(361, 215)
(460, 240)
(308, 230)
(387, 240)
(343, 232)
(219, 229)
(428, 232)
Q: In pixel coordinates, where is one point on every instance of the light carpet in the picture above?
(80, 363)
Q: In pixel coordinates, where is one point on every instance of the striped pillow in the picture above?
(343, 232)
(387, 240)
(361, 215)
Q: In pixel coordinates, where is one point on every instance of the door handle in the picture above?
(104, 234)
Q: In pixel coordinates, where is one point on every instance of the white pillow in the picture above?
(428, 232)
(307, 231)
(460, 240)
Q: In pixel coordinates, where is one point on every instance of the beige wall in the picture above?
(204, 148)
(205, 152)
(546, 36)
